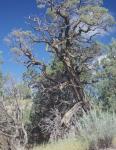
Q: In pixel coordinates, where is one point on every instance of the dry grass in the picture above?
(69, 144)
(114, 142)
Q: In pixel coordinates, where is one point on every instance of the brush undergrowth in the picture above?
(95, 130)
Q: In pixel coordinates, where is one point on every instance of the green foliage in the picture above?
(107, 79)
(54, 67)
(26, 105)
(24, 91)
(93, 14)
(71, 3)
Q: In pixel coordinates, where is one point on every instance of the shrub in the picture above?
(98, 128)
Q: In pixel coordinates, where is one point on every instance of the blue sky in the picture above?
(13, 14)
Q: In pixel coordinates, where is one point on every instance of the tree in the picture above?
(12, 128)
(69, 37)
(107, 78)
(68, 32)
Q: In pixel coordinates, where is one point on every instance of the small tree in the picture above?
(12, 127)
